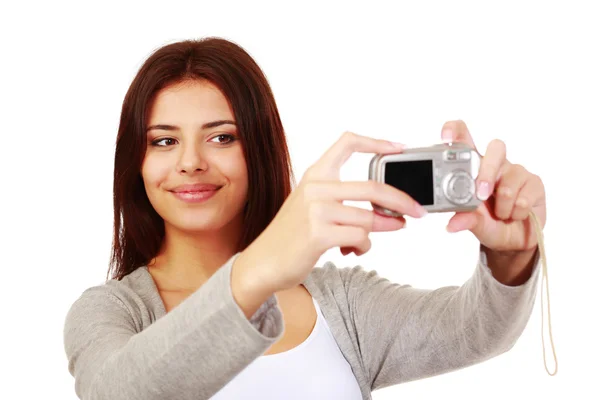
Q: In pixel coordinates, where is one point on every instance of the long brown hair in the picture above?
(138, 229)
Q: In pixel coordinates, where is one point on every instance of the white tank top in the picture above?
(315, 369)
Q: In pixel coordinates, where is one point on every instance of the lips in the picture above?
(195, 188)
(195, 194)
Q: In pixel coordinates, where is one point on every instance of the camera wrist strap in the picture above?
(540, 238)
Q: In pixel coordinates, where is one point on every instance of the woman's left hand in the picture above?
(501, 223)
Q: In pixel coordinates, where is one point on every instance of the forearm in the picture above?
(190, 352)
(435, 331)
(511, 268)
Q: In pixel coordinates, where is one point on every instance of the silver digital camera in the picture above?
(440, 177)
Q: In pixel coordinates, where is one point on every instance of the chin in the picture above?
(197, 225)
(197, 222)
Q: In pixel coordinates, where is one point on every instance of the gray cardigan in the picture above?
(121, 344)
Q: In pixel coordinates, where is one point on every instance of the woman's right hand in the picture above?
(313, 219)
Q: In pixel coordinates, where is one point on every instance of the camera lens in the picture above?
(459, 187)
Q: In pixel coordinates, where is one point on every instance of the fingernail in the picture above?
(421, 211)
(483, 191)
(447, 135)
(398, 145)
(521, 202)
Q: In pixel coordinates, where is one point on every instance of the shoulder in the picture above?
(131, 300)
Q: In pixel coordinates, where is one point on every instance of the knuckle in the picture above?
(522, 202)
(449, 124)
(316, 211)
(359, 235)
(349, 137)
(310, 191)
(364, 219)
(310, 173)
(538, 182)
(456, 123)
(519, 169)
(374, 187)
(499, 144)
(369, 221)
(306, 176)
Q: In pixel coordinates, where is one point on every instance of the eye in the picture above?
(165, 142)
(229, 138)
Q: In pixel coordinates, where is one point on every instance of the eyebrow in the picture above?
(208, 125)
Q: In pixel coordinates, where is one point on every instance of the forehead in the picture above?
(191, 99)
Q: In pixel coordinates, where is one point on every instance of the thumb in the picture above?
(473, 221)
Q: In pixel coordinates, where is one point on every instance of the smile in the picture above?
(195, 196)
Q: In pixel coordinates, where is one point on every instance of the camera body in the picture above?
(440, 177)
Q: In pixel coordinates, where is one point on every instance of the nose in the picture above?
(190, 159)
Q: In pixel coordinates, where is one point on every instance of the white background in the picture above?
(524, 72)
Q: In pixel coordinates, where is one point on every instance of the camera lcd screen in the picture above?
(415, 178)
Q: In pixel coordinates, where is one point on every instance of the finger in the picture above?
(348, 237)
(384, 223)
(337, 213)
(379, 193)
(526, 198)
(359, 252)
(380, 224)
(463, 221)
(457, 131)
(349, 143)
(363, 247)
(508, 187)
(490, 168)
(346, 250)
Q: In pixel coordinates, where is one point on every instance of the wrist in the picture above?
(512, 268)
(249, 288)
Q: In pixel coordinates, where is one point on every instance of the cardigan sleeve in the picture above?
(189, 353)
(404, 333)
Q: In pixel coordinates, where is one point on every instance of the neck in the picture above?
(188, 259)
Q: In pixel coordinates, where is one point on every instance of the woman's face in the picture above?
(189, 144)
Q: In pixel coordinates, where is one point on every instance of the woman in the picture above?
(214, 291)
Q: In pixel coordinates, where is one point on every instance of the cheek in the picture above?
(237, 170)
(154, 172)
